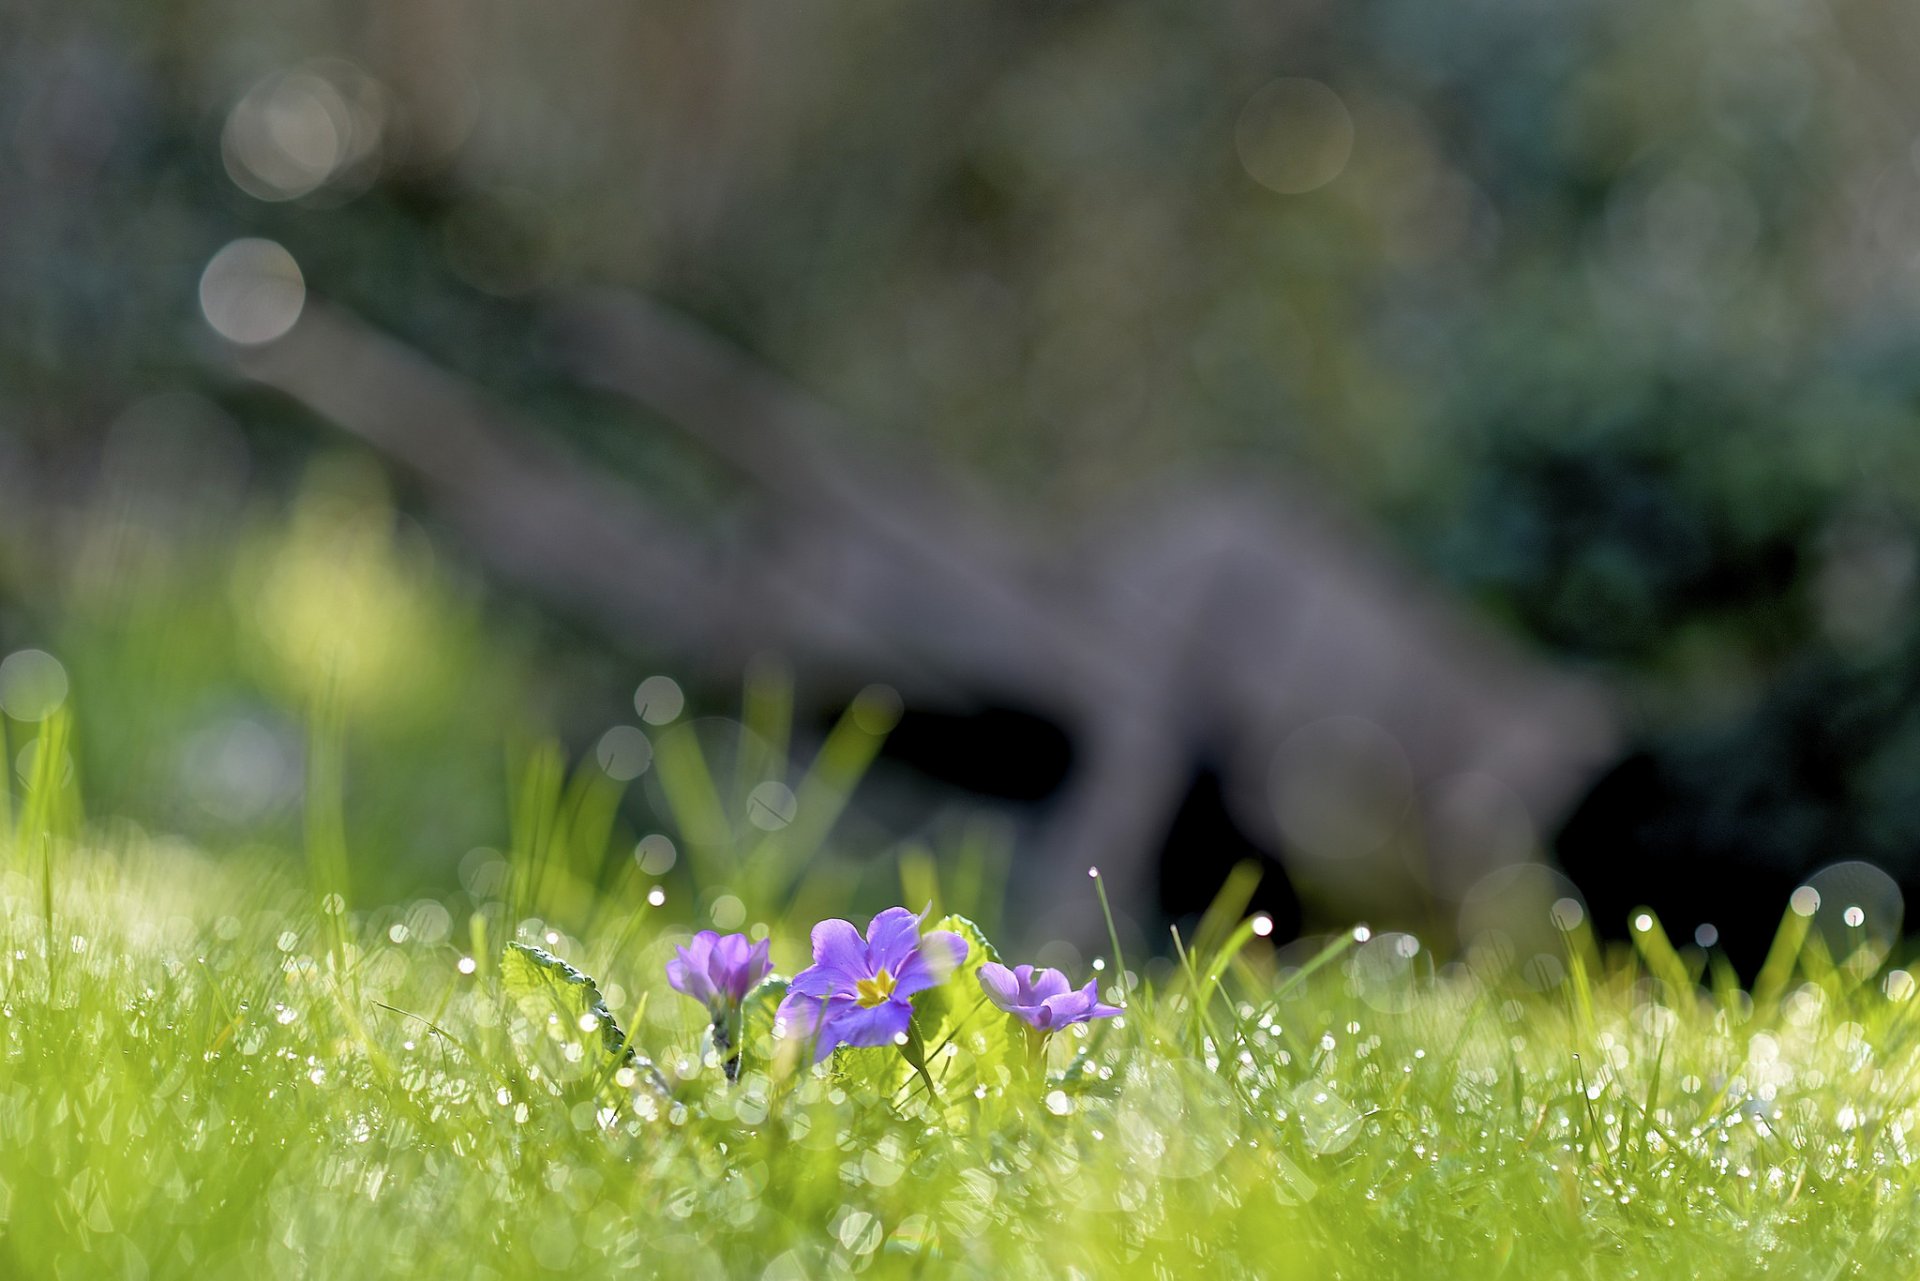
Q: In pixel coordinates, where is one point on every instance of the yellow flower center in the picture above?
(870, 992)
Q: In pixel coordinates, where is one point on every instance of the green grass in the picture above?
(205, 1073)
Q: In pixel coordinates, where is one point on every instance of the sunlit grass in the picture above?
(207, 1072)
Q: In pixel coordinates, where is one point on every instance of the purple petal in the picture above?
(1095, 1009)
(1048, 983)
(945, 952)
(939, 955)
(857, 1025)
(684, 975)
(891, 938)
(728, 968)
(677, 974)
(798, 1015)
(820, 982)
(1059, 1010)
(758, 960)
(912, 976)
(1001, 984)
(838, 948)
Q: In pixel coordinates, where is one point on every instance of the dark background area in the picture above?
(1599, 319)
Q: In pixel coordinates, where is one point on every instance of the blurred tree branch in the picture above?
(1214, 618)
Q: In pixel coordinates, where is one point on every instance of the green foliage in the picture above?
(561, 999)
(238, 1114)
(757, 1040)
(962, 1039)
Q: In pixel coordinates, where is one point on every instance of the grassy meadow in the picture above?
(214, 1068)
(257, 1048)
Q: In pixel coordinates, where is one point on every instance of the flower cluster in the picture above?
(718, 971)
(858, 991)
(855, 992)
(1042, 998)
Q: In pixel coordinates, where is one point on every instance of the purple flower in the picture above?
(856, 990)
(718, 970)
(1042, 997)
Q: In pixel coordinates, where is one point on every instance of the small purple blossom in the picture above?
(718, 970)
(1042, 997)
(856, 990)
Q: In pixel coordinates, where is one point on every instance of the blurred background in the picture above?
(1388, 445)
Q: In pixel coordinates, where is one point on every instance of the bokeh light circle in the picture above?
(33, 685)
(1857, 913)
(624, 753)
(659, 700)
(252, 291)
(1294, 135)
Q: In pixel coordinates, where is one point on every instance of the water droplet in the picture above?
(467, 965)
(1805, 901)
(1362, 933)
(1262, 925)
(1642, 923)
(656, 896)
(1854, 917)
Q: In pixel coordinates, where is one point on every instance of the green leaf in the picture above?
(990, 1045)
(568, 1003)
(756, 1020)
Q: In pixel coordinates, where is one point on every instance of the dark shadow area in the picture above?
(1000, 752)
(1203, 845)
